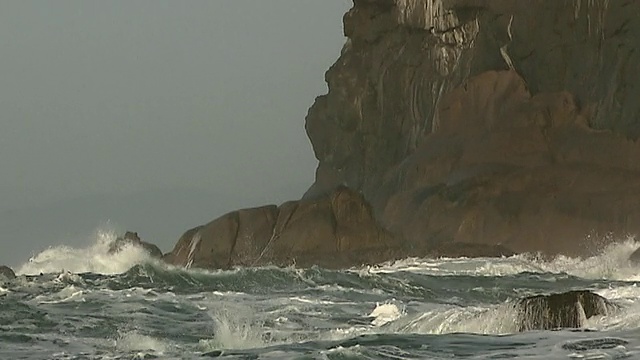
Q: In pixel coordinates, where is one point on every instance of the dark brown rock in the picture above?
(492, 122)
(335, 230)
(132, 238)
(462, 127)
(7, 272)
(564, 310)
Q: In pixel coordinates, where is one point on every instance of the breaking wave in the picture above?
(94, 258)
(611, 263)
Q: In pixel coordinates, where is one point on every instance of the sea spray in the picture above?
(134, 341)
(270, 312)
(385, 313)
(610, 263)
(93, 258)
(234, 327)
(489, 319)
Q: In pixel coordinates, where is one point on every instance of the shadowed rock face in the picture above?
(460, 127)
(7, 272)
(132, 238)
(335, 230)
(635, 257)
(491, 122)
(565, 310)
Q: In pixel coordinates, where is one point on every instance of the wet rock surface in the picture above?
(132, 238)
(336, 230)
(493, 122)
(556, 311)
(7, 272)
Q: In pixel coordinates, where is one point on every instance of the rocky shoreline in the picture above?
(459, 127)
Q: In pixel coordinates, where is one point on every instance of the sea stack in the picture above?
(458, 125)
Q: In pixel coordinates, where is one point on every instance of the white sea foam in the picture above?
(94, 258)
(459, 266)
(311, 301)
(384, 314)
(612, 263)
(134, 341)
(234, 328)
(494, 319)
(343, 352)
(68, 294)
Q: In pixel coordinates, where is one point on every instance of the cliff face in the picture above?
(487, 121)
(403, 56)
(457, 126)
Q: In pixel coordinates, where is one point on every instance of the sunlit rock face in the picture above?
(492, 122)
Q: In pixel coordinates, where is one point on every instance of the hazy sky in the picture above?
(102, 99)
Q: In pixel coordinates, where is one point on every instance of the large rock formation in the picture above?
(556, 311)
(336, 230)
(466, 125)
(494, 122)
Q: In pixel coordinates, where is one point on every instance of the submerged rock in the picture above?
(595, 344)
(7, 272)
(132, 238)
(565, 310)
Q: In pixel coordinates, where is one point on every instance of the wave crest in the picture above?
(94, 258)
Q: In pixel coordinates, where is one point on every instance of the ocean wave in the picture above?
(94, 258)
(134, 341)
(611, 263)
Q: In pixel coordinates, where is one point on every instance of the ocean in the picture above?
(80, 303)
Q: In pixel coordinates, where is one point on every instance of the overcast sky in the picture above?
(112, 99)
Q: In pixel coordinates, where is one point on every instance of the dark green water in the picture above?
(412, 309)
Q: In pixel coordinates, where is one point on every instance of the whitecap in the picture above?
(384, 314)
(446, 319)
(94, 258)
(68, 294)
(611, 263)
(311, 301)
(234, 328)
(134, 341)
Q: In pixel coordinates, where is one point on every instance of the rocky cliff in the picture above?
(459, 124)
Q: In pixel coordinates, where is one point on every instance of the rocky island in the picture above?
(459, 128)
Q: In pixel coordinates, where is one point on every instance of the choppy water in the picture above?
(87, 305)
